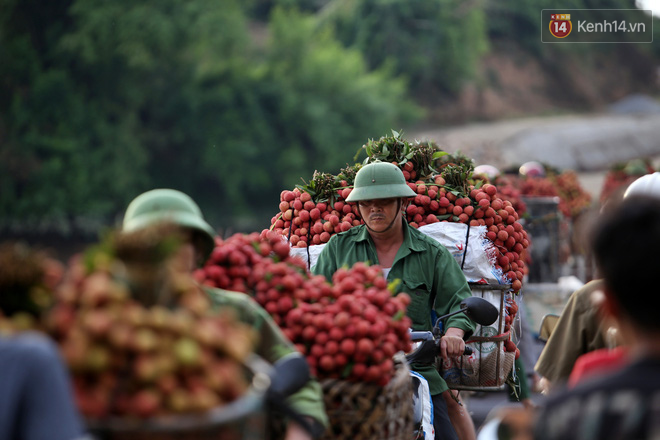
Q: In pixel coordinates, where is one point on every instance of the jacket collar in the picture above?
(410, 243)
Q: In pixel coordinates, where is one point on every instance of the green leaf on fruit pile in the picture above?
(387, 149)
(398, 316)
(456, 159)
(306, 188)
(456, 177)
(443, 217)
(393, 285)
(348, 173)
(367, 148)
(322, 187)
(423, 157)
(347, 370)
(439, 154)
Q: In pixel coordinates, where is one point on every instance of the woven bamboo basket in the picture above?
(360, 411)
(489, 366)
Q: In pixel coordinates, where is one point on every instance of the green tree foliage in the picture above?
(234, 101)
(151, 61)
(435, 43)
(62, 154)
(101, 100)
(308, 104)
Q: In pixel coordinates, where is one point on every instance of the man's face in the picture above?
(379, 214)
(188, 254)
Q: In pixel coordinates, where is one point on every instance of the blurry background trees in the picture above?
(233, 101)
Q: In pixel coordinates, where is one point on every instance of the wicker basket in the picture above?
(242, 419)
(488, 368)
(366, 411)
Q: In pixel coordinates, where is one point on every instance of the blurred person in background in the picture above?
(580, 328)
(174, 207)
(36, 394)
(37, 400)
(622, 403)
(578, 331)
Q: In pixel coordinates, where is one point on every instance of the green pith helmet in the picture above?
(379, 180)
(168, 205)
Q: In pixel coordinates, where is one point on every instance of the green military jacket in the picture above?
(272, 345)
(428, 273)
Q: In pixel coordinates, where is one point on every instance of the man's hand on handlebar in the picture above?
(452, 344)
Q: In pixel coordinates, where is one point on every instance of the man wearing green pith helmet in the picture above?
(174, 207)
(427, 270)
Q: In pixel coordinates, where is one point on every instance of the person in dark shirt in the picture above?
(624, 404)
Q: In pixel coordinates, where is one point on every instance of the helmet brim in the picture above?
(386, 191)
(182, 219)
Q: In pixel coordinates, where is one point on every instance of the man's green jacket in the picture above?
(273, 345)
(428, 273)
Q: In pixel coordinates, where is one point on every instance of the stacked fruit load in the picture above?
(312, 213)
(620, 175)
(349, 329)
(140, 336)
(573, 198)
(508, 190)
(27, 279)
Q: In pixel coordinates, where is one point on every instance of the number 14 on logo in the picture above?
(560, 25)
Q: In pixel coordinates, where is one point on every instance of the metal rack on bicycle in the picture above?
(490, 365)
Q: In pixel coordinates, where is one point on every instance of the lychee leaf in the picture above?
(393, 285)
(348, 368)
(367, 147)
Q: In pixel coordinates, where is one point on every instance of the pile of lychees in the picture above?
(141, 338)
(348, 329)
(311, 214)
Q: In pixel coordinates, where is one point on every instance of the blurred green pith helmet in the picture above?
(172, 206)
(379, 180)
